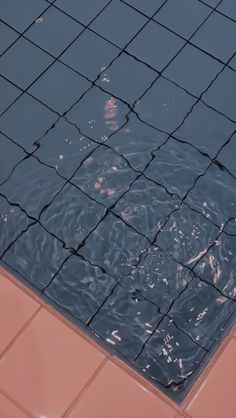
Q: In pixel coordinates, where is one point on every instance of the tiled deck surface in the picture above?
(49, 369)
(118, 188)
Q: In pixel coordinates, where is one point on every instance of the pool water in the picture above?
(118, 175)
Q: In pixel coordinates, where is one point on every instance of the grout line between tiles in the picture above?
(15, 403)
(18, 334)
(85, 389)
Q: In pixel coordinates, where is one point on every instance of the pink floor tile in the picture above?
(9, 410)
(16, 308)
(115, 394)
(48, 366)
(215, 397)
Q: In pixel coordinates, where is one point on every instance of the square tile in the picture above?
(221, 94)
(26, 121)
(228, 7)
(84, 10)
(101, 54)
(80, 288)
(201, 311)
(101, 400)
(214, 195)
(164, 105)
(8, 36)
(9, 409)
(193, 70)
(169, 357)
(55, 32)
(209, 37)
(98, 114)
(45, 352)
(215, 389)
(64, 148)
(71, 216)
(36, 256)
(186, 236)
(165, 46)
(10, 156)
(176, 166)
(12, 222)
(9, 93)
(33, 186)
(104, 175)
(148, 8)
(127, 78)
(59, 96)
(136, 141)
(17, 307)
(232, 63)
(227, 154)
(218, 266)
(114, 246)
(118, 15)
(205, 129)
(211, 3)
(125, 322)
(146, 207)
(183, 17)
(23, 63)
(158, 278)
(21, 20)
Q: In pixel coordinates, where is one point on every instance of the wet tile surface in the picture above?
(124, 215)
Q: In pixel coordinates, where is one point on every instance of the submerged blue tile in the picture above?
(104, 175)
(218, 266)
(146, 206)
(206, 129)
(127, 78)
(10, 155)
(114, 246)
(148, 7)
(125, 322)
(32, 185)
(158, 278)
(26, 121)
(183, 17)
(216, 37)
(23, 63)
(21, 14)
(54, 32)
(59, 87)
(80, 288)
(227, 155)
(9, 93)
(118, 23)
(13, 222)
(170, 356)
(72, 216)
(82, 10)
(136, 141)
(187, 236)
(221, 95)
(165, 45)
(90, 54)
(98, 114)
(228, 7)
(164, 106)
(8, 36)
(64, 148)
(36, 256)
(193, 70)
(201, 311)
(215, 195)
(176, 166)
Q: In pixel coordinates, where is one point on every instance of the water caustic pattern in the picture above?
(117, 172)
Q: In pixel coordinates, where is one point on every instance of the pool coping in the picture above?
(200, 401)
